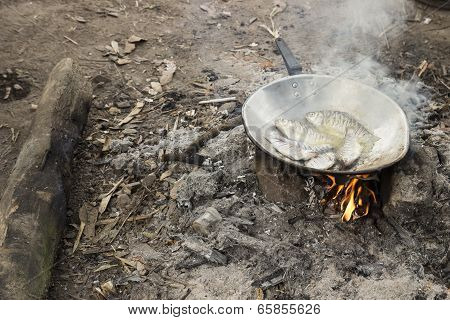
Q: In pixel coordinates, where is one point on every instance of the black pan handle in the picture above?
(292, 65)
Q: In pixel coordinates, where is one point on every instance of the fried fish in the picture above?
(295, 150)
(351, 149)
(336, 123)
(302, 131)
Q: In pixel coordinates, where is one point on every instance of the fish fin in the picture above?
(351, 149)
(323, 161)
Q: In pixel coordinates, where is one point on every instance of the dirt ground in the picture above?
(258, 249)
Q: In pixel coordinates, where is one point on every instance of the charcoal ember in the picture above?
(191, 261)
(270, 280)
(239, 222)
(168, 105)
(374, 270)
(204, 250)
(170, 100)
(211, 75)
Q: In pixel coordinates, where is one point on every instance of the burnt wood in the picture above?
(33, 205)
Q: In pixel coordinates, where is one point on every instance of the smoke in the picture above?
(357, 32)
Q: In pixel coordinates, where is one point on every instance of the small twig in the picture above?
(94, 60)
(130, 219)
(71, 40)
(207, 86)
(440, 80)
(219, 100)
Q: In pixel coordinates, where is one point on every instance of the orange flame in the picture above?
(354, 197)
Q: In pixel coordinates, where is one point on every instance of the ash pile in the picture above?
(181, 216)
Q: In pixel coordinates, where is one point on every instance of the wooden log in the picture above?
(33, 205)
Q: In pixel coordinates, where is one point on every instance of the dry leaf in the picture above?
(135, 111)
(106, 144)
(106, 197)
(108, 288)
(80, 19)
(422, 67)
(83, 215)
(115, 46)
(122, 61)
(129, 48)
(165, 175)
(128, 262)
(259, 294)
(113, 14)
(105, 267)
(7, 93)
(134, 39)
(174, 191)
(142, 270)
(167, 73)
(106, 231)
(77, 240)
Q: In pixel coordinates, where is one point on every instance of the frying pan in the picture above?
(293, 96)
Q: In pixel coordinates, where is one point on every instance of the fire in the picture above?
(353, 196)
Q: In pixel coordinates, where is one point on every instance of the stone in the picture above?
(114, 111)
(156, 86)
(206, 222)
